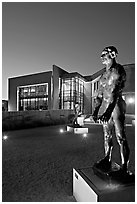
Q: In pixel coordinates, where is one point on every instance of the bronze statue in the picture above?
(77, 113)
(111, 108)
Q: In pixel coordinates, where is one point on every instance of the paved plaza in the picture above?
(37, 163)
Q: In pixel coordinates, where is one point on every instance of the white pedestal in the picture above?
(81, 190)
(87, 187)
(80, 130)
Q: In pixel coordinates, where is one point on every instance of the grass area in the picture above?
(37, 163)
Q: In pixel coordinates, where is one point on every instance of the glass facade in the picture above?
(71, 91)
(33, 97)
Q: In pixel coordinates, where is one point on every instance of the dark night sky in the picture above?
(69, 34)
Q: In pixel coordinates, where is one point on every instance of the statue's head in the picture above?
(108, 55)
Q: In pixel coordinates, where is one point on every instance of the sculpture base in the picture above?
(88, 187)
(114, 174)
(77, 129)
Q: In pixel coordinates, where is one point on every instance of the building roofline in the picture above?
(73, 74)
(60, 68)
(30, 74)
(128, 64)
(95, 75)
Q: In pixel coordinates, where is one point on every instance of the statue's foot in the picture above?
(124, 168)
(104, 164)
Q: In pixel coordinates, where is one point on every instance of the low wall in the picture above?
(29, 119)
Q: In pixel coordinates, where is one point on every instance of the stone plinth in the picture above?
(88, 187)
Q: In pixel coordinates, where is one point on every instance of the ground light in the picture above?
(5, 137)
(85, 135)
(61, 130)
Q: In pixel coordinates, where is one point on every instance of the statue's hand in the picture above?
(95, 117)
(80, 113)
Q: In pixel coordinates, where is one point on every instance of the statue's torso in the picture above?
(108, 82)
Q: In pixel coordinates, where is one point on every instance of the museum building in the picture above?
(59, 89)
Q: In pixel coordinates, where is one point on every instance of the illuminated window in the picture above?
(71, 91)
(33, 97)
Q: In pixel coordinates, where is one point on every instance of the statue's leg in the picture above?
(75, 120)
(119, 123)
(105, 163)
(108, 144)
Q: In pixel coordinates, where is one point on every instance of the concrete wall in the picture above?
(29, 119)
(13, 83)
